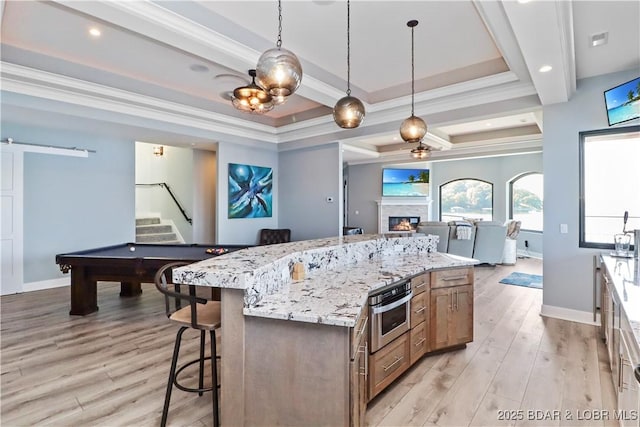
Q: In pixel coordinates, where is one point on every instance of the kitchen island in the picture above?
(294, 352)
(620, 328)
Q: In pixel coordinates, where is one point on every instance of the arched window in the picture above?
(466, 198)
(526, 200)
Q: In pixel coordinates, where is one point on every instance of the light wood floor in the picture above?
(110, 368)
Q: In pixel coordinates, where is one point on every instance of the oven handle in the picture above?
(395, 304)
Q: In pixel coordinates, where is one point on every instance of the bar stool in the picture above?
(199, 314)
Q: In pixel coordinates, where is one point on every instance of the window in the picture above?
(526, 200)
(609, 184)
(466, 198)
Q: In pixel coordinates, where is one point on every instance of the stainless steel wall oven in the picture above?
(389, 311)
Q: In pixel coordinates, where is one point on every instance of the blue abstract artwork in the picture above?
(250, 191)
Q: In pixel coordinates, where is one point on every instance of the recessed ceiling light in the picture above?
(523, 1)
(94, 32)
(488, 124)
(545, 68)
(599, 39)
(199, 68)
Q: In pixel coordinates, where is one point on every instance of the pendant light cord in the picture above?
(412, 72)
(279, 42)
(348, 49)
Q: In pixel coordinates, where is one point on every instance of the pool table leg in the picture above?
(84, 296)
(130, 289)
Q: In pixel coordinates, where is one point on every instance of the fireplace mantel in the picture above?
(424, 201)
(402, 206)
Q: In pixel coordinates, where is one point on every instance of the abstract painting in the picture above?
(250, 191)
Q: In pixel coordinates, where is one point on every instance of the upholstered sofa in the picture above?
(482, 240)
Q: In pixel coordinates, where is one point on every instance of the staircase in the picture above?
(153, 230)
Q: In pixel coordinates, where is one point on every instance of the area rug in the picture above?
(523, 279)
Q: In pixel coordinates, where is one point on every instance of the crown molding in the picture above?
(41, 84)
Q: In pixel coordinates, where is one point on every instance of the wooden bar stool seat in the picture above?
(197, 313)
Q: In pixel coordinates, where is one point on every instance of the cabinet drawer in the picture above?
(419, 309)
(451, 277)
(420, 283)
(418, 342)
(388, 364)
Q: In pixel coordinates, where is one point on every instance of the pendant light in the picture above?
(278, 71)
(414, 128)
(348, 112)
(251, 98)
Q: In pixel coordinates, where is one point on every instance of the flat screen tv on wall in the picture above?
(405, 182)
(623, 102)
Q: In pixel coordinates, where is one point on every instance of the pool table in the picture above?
(130, 264)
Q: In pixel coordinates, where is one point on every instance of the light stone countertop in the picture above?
(337, 297)
(340, 273)
(625, 274)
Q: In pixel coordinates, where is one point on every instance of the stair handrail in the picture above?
(166, 186)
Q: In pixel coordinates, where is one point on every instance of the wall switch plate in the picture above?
(564, 228)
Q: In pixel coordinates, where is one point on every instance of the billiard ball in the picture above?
(132, 248)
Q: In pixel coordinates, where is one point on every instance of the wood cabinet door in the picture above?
(359, 370)
(358, 385)
(462, 312)
(439, 318)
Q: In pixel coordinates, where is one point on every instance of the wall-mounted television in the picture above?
(623, 102)
(405, 182)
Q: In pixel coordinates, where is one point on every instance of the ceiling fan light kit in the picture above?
(349, 111)
(252, 98)
(421, 152)
(413, 129)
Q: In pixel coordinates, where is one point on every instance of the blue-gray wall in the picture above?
(243, 230)
(307, 177)
(568, 276)
(73, 203)
(364, 188)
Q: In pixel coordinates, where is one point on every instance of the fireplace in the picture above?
(403, 223)
(402, 208)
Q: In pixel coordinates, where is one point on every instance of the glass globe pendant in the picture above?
(348, 112)
(414, 128)
(279, 71)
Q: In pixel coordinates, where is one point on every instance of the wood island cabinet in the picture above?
(451, 308)
(388, 363)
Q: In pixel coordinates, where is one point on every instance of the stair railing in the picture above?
(166, 186)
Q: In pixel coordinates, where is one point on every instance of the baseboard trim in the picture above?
(585, 317)
(525, 253)
(46, 284)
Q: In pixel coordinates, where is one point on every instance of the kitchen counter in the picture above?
(337, 297)
(340, 273)
(625, 274)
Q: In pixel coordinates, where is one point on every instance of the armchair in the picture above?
(489, 242)
(436, 228)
